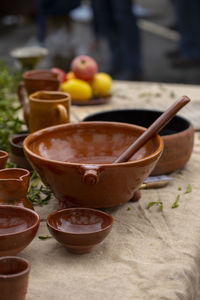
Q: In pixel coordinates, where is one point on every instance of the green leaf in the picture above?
(189, 189)
(128, 208)
(175, 204)
(150, 204)
(45, 237)
(179, 188)
(159, 203)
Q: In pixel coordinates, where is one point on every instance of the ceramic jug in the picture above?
(48, 109)
(14, 186)
(3, 159)
(36, 80)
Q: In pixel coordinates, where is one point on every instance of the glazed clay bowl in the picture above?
(14, 273)
(17, 155)
(3, 159)
(75, 161)
(18, 227)
(178, 135)
(79, 229)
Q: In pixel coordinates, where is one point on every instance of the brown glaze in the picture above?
(177, 151)
(79, 229)
(18, 227)
(13, 187)
(3, 159)
(17, 155)
(64, 155)
(14, 273)
(48, 109)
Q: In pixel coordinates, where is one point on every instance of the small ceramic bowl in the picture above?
(14, 273)
(79, 229)
(178, 131)
(18, 227)
(17, 155)
(3, 159)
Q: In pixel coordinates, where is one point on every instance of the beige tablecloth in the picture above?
(149, 254)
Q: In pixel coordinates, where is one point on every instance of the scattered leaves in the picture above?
(189, 189)
(129, 208)
(44, 237)
(179, 188)
(175, 204)
(38, 193)
(159, 203)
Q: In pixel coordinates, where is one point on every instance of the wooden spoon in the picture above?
(90, 176)
(152, 130)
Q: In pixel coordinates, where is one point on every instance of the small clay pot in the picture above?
(18, 227)
(14, 184)
(14, 273)
(17, 155)
(76, 162)
(3, 159)
(79, 229)
(178, 135)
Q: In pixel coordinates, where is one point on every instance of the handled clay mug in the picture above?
(14, 273)
(36, 80)
(48, 109)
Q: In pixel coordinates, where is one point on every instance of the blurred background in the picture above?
(150, 40)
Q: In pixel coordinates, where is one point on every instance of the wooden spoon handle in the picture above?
(153, 129)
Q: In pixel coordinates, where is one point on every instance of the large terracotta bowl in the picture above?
(75, 161)
(178, 135)
(18, 227)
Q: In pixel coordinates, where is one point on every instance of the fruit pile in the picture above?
(83, 82)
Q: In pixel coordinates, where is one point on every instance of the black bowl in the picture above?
(178, 135)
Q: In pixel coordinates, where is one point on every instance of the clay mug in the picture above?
(36, 80)
(48, 109)
(14, 273)
(14, 184)
(3, 159)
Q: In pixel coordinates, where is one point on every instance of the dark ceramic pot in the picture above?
(3, 159)
(178, 135)
(17, 155)
(76, 162)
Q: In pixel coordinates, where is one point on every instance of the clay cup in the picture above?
(14, 273)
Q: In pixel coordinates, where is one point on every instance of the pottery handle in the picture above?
(63, 113)
(21, 93)
(90, 177)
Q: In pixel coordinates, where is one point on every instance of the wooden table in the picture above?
(150, 254)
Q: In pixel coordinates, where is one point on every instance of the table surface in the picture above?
(149, 254)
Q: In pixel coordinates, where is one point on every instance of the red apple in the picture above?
(60, 72)
(84, 67)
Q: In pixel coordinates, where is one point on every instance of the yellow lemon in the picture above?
(78, 89)
(101, 84)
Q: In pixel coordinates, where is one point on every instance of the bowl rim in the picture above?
(18, 274)
(178, 117)
(26, 74)
(3, 154)
(79, 208)
(28, 211)
(39, 133)
(17, 136)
